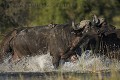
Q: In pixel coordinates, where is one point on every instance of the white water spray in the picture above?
(43, 63)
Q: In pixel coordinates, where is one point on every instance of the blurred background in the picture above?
(28, 13)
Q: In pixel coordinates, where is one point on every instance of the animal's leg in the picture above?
(15, 56)
(67, 55)
(55, 61)
(71, 50)
(1, 58)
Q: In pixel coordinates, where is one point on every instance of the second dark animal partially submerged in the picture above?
(100, 37)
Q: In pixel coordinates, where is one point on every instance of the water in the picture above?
(43, 63)
(38, 66)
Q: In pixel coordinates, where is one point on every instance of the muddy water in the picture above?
(41, 66)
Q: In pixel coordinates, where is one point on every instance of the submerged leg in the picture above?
(55, 61)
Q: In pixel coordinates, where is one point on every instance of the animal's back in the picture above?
(31, 41)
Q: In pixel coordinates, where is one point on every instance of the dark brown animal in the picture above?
(101, 37)
(39, 40)
(5, 45)
(106, 43)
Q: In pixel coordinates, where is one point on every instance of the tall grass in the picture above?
(112, 75)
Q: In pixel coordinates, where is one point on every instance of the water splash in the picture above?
(43, 63)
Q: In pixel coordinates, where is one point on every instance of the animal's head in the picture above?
(102, 25)
(98, 21)
(81, 27)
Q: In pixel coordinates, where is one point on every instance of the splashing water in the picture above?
(43, 63)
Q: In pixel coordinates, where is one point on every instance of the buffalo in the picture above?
(62, 40)
(107, 45)
(101, 38)
(32, 41)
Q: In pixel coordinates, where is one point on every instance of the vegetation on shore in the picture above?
(21, 13)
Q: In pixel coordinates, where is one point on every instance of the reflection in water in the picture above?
(43, 63)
